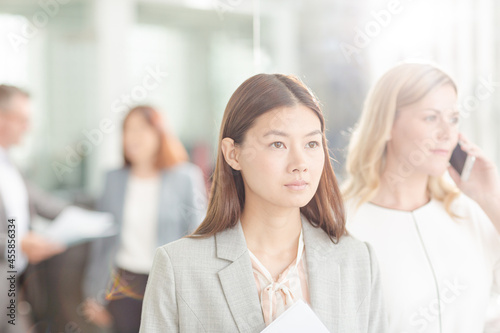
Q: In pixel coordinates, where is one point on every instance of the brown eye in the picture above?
(277, 145)
(313, 144)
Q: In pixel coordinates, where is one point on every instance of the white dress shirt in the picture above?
(14, 196)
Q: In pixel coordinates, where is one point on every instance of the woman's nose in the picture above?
(444, 129)
(298, 161)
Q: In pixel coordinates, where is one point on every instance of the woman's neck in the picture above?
(407, 192)
(144, 170)
(271, 231)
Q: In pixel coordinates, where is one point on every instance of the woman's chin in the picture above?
(299, 203)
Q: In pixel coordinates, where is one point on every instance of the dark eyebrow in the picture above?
(276, 132)
(280, 133)
(314, 133)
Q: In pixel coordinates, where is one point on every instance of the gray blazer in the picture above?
(207, 285)
(182, 208)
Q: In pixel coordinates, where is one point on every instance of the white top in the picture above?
(14, 195)
(139, 225)
(424, 256)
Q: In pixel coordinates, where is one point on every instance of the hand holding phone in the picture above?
(483, 186)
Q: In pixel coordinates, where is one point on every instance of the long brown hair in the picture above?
(257, 95)
(171, 150)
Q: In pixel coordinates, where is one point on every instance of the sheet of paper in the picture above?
(298, 318)
(76, 225)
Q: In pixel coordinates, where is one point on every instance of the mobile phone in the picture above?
(462, 162)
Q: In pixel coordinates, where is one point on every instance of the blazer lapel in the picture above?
(237, 280)
(323, 275)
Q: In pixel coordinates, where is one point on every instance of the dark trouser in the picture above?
(126, 300)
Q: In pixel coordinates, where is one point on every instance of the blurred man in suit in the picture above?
(19, 201)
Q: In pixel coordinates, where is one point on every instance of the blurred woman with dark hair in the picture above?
(156, 198)
(274, 232)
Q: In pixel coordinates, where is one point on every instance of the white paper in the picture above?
(76, 225)
(298, 318)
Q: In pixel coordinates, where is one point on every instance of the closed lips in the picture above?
(440, 151)
(297, 183)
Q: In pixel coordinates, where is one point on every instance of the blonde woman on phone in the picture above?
(437, 240)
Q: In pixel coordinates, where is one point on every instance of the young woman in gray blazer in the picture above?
(157, 197)
(274, 232)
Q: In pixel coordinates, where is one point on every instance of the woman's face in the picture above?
(141, 141)
(281, 158)
(424, 134)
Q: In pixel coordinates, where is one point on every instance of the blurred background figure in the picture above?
(437, 240)
(156, 198)
(20, 201)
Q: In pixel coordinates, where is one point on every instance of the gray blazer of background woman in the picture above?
(182, 207)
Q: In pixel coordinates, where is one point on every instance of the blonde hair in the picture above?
(403, 85)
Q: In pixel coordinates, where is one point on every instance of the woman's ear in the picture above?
(230, 152)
